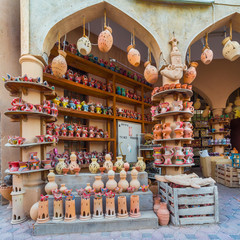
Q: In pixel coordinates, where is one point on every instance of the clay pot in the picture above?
(102, 169)
(62, 188)
(140, 163)
(166, 130)
(65, 171)
(111, 184)
(156, 204)
(88, 188)
(51, 185)
(163, 214)
(197, 104)
(166, 87)
(134, 182)
(108, 163)
(123, 183)
(191, 73)
(98, 183)
(6, 193)
(133, 56)
(178, 85)
(207, 55)
(77, 170)
(189, 87)
(150, 73)
(172, 86)
(178, 133)
(119, 164)
(126, 166)
(47, 164)
(105, 40)
(61, 164)
(34, 211)
(94, 166)
(231, 49)
(157, 131)
(134, 206)
(184, 86)
(84, 45)
(59, 64)
(73, 164)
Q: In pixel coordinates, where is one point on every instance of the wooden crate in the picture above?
(191, 205)
(227, 175)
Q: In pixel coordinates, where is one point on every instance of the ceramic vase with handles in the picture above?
(164, 107)
(157, 131)
(231, 49)
(188, 132)
(168, 154)
(188, 107)
(178, 132)
(191, 73)
(207, 55)
(61, 164)
(188, 151)
(163, 214)
(177, 106)
(166, 130)
(157, 155)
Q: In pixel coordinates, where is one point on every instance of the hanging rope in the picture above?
(133, 39)
(84, 26)
(89, 30)
(149, 55)
(64, 44)
(105, 19)
(206, 39)
(230, 29)
(189, 55)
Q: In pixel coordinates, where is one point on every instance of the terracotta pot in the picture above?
(98, 183)
(51, 185)
(178, 85)
(102, 169)
(119, 164)
(73, 164)
(105, 40)
(160, 89)
(207, 55)
(94, 166)
(140, 163)
(88, 188)
(133, 56)
(150, 73)
(197, 104)
(163, 214)
(34, 211)
(123, 183)
(59, 64)
(122, 207)
(6, 193)
(231, 49)
(43, 213)
(65, 171)
(114, 168)
(134, 182)
(126, 166)
(134, 206)
(184, 86)
(111, 184)
(63, 188)
(191, 73)
(157, 131)
(172, 86)
(189, 87)
(156, 204)
(108, 163)
(84, 45)
(166, 87)
(178, 133)
(47, 164)
(61, 164)
(166, 130)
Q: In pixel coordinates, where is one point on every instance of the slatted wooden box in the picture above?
(227, 175)
(190, 205)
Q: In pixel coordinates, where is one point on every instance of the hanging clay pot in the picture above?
(105, 40)
(163, 214)
(197, 104)
(228, 109)
(207, 55)
(108, 163)
(231, 49)
(73, 164)
(111, 183)
(150, 73)
(98, 183)
(133, 56)
(119, 164)
(191, 73)
(94, 166)
(140, 163)
(237, 101)
(206, 111)
(59, 64)
(134, 182)
(123, 183)
(62, 188)
(51, 185)
(34, 211)
(61, 164)
(84, 45)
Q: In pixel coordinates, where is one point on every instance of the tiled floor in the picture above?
(228, 228)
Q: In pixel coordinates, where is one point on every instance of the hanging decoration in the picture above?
(228, 109)
(150, 72)
(59, 64)
(206, 111)
(133, 55)
(84, 45)
(197, 104)
(231, 49)
(191, 72)
(105, 39)
(207, 53)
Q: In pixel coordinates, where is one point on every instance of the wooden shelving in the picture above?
(86, 139)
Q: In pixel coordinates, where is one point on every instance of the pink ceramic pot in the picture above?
(207, 55)
(191, 73)
(163, 214)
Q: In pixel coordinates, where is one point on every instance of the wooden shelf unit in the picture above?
(110, 76)
(87, 139)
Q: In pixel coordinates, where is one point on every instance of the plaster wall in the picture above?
(9, 63)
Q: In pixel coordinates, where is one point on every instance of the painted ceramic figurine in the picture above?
(85, 106)
(99, 108)
(164, 107)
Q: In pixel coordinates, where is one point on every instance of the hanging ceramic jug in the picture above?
(140, 163)
(51, 185)
(133, 56)
(61, 164)
(94, 166)
(84, 45)
(228, 109)
(59, 64)
(108, 163)
(231, 49)
(105, 39)
(207, 55)
(150, 73)
(73, 164)
(206, 111)
(237, 101)
(163, 214)
(119, 163)
(197, 104)
(191, 73)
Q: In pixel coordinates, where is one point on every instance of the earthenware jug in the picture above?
(164, 107)
(105, 39)
(98, 183)
(133, 56)
(157, 131)
(150, 73)
(178, 132)
(157, 155)
(156, 205)
(140, 163)
(59, 64)
(177, 106)
(191, 73)
(207, 55)
(197, 104)
(61, 164)
(231, 49)
(163, 214)
(94, 166)
(166, 130)
(73, 164)
(51, 185)
(84, 45)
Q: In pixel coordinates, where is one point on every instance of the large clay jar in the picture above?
(73, 164)
(34, 211)
(94, 166)
(133, 56)
(61, 164)
(166, 130)
(62, 188)
(157, 131)
(98, 183)
(191, 73)
(156, 205)
(163, 214)
(231, 49)
(51, 185)
(119, 164)
(150, 73)
(84, 45)
(108, 163)
(59, 64)
(140, 163)
(123, 183)
(105, 40)
(6, 193)
(134, 182)
(207, 55)
(111, 183)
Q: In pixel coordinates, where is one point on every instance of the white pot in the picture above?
(231, 49)
(84, 45)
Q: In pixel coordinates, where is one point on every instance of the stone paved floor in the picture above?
(228, 228)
